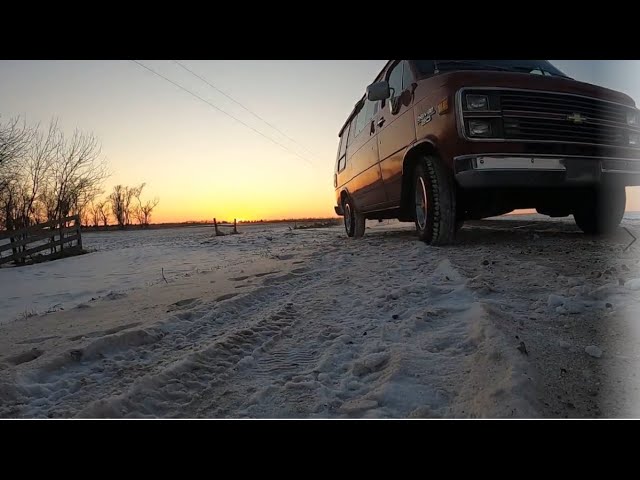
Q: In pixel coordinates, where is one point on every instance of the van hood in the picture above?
(527, 81)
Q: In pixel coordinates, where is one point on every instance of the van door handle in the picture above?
(380, 122)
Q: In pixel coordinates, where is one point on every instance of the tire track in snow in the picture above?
(109, 365)
(382, 327)
(437, 356)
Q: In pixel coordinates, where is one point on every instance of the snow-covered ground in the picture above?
(126, 260)
(521, 318)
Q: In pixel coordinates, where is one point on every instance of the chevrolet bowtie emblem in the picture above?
(576, 118)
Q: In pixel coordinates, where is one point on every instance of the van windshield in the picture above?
(536, 67)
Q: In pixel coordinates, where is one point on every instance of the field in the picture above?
(523, 317)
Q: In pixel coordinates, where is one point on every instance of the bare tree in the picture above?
(78, 174)
(14, 142)
(45, 175)
(86, 217)
(30, 179)
(125, 210)
(9, 198)
(99, 212)
(138, 215)
(143, 211)
(37, 164)
(117, 199)
(103, 208)
(14, 139)
(83, 201)
(94, 214)
(147, 210)
(133, 211)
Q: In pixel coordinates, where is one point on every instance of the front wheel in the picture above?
(354, 221)
(601, 210)
(435, 202)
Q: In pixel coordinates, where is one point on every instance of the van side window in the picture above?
(352, 129)
(372, 109)
(342, 150)
(343, 141)
(342, 163)
(367, 112)
(376, 107)
(395, 80)
(361, 119)
(407, 76)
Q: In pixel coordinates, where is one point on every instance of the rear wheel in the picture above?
(354, 221)
(600, 210)
(435, 202)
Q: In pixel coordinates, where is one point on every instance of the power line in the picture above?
(241, 105)
(222, 111)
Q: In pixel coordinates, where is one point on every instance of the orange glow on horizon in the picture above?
(187, 209)
(184, 209)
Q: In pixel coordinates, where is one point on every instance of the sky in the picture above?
(200, 162)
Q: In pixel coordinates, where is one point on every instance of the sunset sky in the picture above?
(201, 163)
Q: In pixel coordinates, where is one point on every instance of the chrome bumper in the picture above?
(509, 170)
(517, 163)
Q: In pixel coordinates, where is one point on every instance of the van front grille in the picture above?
(554, 117)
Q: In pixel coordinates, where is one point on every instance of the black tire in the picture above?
(434, 201)
(600, 210)
(354, 221)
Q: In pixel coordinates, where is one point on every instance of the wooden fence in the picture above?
(51, 236)
(219, 233)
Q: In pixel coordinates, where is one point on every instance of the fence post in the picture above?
(11, 226)
(78, 225)
(235, 226)
(215, 226)
(61, 233)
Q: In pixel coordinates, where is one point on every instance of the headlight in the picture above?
(634, 139)
(633, 119)
(477, 102)
(479, 128)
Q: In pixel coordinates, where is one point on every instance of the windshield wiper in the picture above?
(542, 70)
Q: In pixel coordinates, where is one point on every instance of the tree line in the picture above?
(46, 175)
(126, 206)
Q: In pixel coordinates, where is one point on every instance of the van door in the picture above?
(366, 186)
(396, 128)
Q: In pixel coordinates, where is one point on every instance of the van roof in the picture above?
(355, 107)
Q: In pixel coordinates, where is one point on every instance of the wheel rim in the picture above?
(347, 218)
(421, 204)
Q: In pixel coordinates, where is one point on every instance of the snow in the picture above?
(593, 351)
(633, 284)
(309, 324)
(123, 261)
